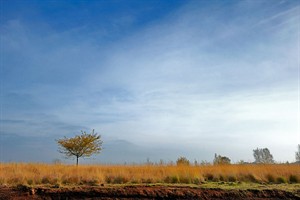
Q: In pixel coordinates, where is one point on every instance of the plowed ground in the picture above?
(142, 192)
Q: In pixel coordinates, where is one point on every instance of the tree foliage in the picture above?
(84, 145)
(297, 154)
(263, 156)
(221, 160)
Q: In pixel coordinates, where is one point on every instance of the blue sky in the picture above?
(157, 79)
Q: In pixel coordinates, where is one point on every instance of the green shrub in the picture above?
(280, 180)
(174, 179)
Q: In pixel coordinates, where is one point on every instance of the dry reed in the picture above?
(59, 174)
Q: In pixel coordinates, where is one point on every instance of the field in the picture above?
(59, 174)
(104, 178)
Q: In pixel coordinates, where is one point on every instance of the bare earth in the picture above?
(142, 192)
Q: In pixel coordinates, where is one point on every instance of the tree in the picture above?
(182, 161)
(84, 145)
(297, 154)
(263, 156)
(221, 160)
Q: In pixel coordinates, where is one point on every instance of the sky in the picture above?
(156, 79)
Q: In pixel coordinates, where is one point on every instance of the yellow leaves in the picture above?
(83, 145)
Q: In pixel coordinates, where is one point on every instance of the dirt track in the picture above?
(142, 192)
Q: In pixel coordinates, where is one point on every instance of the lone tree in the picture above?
(84, 145)
(263, 156)
(221, 160)
(297, 154)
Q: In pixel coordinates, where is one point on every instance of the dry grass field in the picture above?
(31, 174)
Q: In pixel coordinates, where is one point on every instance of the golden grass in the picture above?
(59, 174)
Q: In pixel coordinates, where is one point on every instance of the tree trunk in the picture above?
(76, 160)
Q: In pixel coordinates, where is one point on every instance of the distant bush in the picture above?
(221, 160)
(183, 161)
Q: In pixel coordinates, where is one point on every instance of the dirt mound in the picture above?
(142, 192)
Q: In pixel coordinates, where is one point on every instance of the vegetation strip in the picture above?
(58, 175)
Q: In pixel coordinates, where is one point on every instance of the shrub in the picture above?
(209, 177)
(248, 178)
(93, 182)
(183, 161)
(120, 180)
(231, 178)
(221, 160)
(293, 179)
(109, 179)
(221, 177)
(270, 178)
(171, 179)
(216, 179)
(174, 179)
(185, 179)
(197, 181)
(16, 180)
(45, 180)
(280, 180)
(30, 182)
(70, 180)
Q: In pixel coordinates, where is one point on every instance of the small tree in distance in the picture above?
(84, 145)
(263, 156)
(221, 160)
(182, 161)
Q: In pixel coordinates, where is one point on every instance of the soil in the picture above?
(141, 192)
